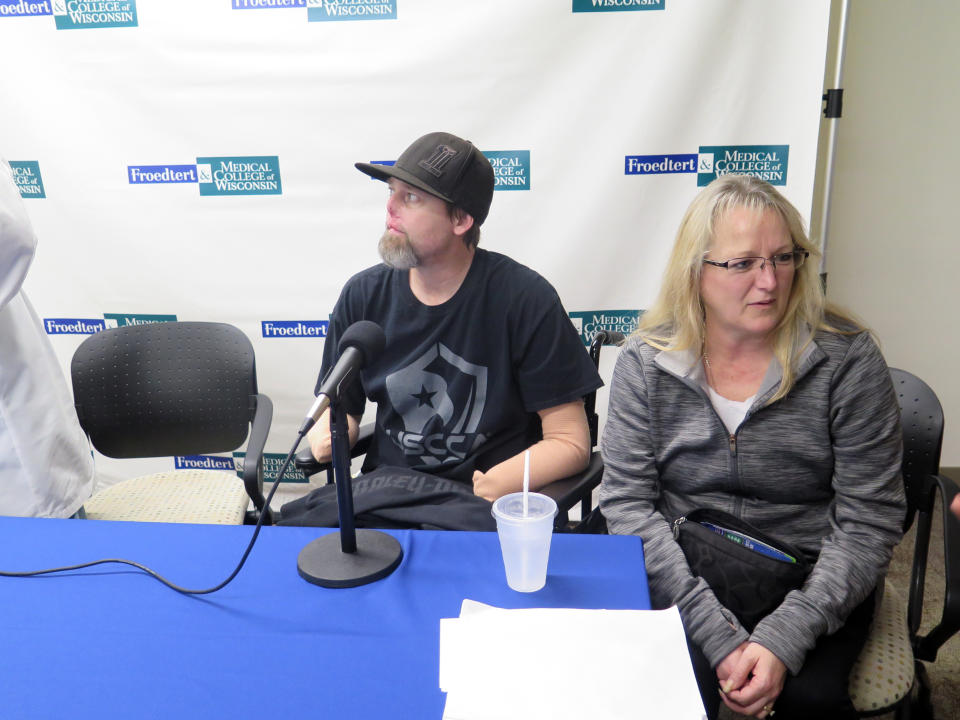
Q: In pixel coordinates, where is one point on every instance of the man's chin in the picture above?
(396, 252)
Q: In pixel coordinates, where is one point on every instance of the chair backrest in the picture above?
(921, 417)
(603, 337)
(164, 389)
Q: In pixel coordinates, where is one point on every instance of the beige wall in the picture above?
(893, 251)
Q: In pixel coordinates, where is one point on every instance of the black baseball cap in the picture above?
(446, 166)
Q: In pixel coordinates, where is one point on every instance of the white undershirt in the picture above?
(731, 412)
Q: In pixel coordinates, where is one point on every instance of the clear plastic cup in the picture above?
(525, 540)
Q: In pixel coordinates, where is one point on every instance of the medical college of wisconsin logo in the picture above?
(582, 6)
(767, 162)
(272, 464)
(216, 176)
(511, 169)
(333, 10)
(239, 175)
(76, 14)
(589, 322)
(26, 175)
(82, 14)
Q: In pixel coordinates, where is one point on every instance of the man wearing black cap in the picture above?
(481, 360)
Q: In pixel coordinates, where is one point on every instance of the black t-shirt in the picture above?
(458, 385)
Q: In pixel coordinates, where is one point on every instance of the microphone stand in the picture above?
(360, 556)
(339, 443)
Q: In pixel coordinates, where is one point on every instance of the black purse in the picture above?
(749, 571)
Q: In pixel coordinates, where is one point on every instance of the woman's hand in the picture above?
(728, 664)
(751, 678)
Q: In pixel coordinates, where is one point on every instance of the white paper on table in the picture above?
(566, 663)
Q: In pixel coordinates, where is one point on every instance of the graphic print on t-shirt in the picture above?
(440, 398)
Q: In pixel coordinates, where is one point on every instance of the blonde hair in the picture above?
(675, 321)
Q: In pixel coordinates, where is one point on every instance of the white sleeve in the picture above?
(17, 241)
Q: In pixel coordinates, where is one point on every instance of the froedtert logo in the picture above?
(23, 8)
(26, 174)
(767, 162)
(267, 4)
(151, 174)
(85, 14)
(272, 464)
(294, 328)
(511, 169)
(115, 320)
(73, 326)
(659, 164)
(204, 462)
(332, 10)
(242, 175)
(589, 322)
(616, 5)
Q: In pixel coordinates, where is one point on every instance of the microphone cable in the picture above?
(158, 576)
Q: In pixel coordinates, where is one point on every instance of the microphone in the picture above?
(359, 346)
(351, 557)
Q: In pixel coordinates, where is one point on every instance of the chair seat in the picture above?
(189, 496)
(883, 674)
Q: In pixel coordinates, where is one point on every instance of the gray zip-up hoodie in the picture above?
(819, 469)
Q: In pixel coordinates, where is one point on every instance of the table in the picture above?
(112, 642)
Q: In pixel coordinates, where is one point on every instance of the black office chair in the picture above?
(567, 492)
(174, 389)
(890, 675)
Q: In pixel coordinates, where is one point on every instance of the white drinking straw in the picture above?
(526, 480)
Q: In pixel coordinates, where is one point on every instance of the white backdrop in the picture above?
(563, 91)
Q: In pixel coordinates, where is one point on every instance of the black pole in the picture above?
(360, 556)
(339, 447)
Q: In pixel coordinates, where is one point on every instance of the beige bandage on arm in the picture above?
(319, 435)
(563, 451)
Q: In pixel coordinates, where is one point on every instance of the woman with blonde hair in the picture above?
(742, 392)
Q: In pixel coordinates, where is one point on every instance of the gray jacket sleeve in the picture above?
(627, 499)
(866, 515)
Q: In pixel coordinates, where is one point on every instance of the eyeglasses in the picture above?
(781, 261)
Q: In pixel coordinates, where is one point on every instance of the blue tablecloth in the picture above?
(112, 642)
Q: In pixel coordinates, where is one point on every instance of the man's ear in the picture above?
(462, 221)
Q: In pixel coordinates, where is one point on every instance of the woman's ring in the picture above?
(768, 709)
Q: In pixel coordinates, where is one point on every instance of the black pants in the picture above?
(819, 690)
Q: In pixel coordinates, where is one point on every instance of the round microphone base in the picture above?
(322, 562)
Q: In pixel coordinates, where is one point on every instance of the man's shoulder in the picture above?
(500, 263)
(367, 295)
(370, 283)
(511, 277)
(373, 275)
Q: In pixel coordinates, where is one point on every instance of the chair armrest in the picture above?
(926, 647)
(578, 488)
(309, 465)
(253, 458)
